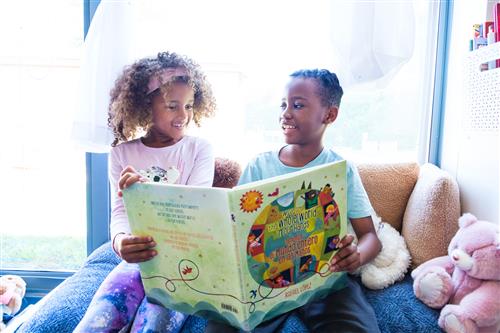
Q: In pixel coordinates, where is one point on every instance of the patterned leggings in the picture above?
(119, 305)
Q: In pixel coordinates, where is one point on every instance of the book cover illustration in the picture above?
(243, 255)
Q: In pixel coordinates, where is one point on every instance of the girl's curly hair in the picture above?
(130, 105)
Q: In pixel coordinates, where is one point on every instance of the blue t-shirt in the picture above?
(268, 165)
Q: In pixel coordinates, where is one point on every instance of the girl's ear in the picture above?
(331, 114)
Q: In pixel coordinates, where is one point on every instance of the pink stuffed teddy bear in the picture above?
(467, 281)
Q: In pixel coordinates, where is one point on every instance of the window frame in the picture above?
(40, 283)
(439, 90)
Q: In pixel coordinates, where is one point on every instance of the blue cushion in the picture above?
(398, 310)
(396, 307)
(65, 306)
(196, 324)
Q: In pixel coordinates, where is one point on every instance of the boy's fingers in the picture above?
(346, 261)
(346, 240)
(342, 254)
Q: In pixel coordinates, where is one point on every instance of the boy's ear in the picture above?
(331, 114)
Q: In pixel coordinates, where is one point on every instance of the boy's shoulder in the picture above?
(264, 158)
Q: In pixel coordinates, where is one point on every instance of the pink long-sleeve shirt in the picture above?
(192, 156)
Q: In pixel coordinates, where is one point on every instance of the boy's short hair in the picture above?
(330, 90)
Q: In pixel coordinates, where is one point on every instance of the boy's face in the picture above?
(172, 114)
(303, 118)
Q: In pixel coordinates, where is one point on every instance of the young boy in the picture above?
(311, 103)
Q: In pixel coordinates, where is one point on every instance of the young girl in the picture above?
(159, 96)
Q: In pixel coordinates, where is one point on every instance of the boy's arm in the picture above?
(351, 256)
(368, 243)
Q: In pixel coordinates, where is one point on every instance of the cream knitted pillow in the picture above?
(431, 216)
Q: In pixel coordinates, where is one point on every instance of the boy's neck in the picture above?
(299, 155)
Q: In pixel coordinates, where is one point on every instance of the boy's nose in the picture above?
(286, 113)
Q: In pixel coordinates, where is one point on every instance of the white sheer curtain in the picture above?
(108, 47)
(372, 39)
(254, 42)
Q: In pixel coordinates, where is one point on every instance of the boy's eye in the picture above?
(283, 106)
(298, 106)
(189, 107)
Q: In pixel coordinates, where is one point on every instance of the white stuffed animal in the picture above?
(392, 262)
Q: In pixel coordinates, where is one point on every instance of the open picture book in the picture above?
(242, 255)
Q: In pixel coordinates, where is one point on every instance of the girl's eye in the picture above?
(189, 107)
(283, 106)
(171, 107)
(298, 106)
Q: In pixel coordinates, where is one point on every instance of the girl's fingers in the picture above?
(131, 239)
(127, 169)
(137, 247)
(122, 180)
(139, 256)
(128, 179)
(127, 173)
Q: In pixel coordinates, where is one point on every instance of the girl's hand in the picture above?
(347, 258)
(134, 249)
(128, 176)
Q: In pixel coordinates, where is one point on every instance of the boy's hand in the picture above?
(134, 249)
(347, 258)
(128, 176)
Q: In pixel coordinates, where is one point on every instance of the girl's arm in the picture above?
(202, 173)
(129, 247)
(119, 220)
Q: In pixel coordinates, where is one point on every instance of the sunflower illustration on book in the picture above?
(251, 201)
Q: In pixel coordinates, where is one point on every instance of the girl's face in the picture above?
(172, 114)
(303, 117)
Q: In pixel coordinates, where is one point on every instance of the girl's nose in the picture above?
(184, 113)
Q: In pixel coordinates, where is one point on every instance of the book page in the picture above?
(195, 270)
(289, 228)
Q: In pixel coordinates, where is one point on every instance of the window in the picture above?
(43, 224)
(248, 58)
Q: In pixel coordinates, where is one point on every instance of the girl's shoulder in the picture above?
(196, 142)
(126, 145)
